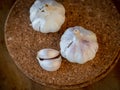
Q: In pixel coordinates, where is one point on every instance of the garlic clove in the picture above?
(51, 65)
(48, 53)
(78, 45)
(49, 59)
(47, 15)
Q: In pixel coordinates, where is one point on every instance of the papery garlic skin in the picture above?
(47, 16)
(48, 59)
(78, 45)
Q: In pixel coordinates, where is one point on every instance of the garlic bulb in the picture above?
(49, 59)
(47, 16)
(78, 45)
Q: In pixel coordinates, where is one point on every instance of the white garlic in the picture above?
(47, 16)
(78, 45)
(49, 59)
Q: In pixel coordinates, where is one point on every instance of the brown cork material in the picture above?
(23, 42)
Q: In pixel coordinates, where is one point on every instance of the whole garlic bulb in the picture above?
(47, 16)
(78, 45)
(49, 59)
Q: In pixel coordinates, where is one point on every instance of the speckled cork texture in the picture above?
(23, 42)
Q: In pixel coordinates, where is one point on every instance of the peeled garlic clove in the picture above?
(47, 15)
(78, 45)
(49, 59)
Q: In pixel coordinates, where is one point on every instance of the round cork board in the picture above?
(23, 42)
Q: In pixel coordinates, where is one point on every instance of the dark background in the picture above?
(11, 78)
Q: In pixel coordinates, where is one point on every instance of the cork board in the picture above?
(23, 42)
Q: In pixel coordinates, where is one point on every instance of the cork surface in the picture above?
(23, 42)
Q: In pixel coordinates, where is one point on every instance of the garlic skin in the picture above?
(78, 45)
(49, 59)
(47, 16)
